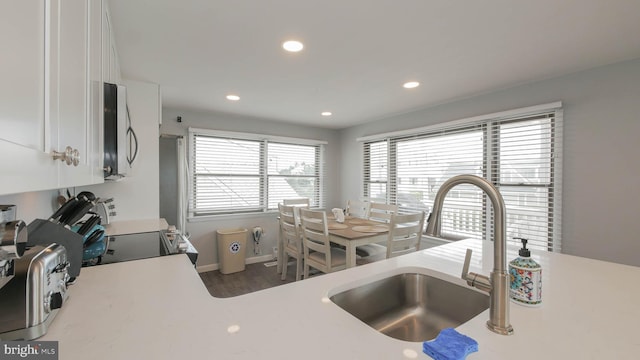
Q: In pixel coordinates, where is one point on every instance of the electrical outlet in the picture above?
(275, 252)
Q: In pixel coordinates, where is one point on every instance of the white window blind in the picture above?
(519, 154)
(376, 167)
(524, 156)
(231, 174)
(293, 172)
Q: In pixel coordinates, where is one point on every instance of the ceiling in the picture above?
(358, 53)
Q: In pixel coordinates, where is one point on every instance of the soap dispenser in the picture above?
(526, 278)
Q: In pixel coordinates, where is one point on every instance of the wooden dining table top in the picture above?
(353, 224)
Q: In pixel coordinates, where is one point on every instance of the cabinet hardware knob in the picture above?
(69, 156)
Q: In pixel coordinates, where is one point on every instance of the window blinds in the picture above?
(293, 172)
(519, 154)
(227, 175)
(525, 168)
(235, 175)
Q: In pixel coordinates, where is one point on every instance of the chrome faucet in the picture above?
(497, 284)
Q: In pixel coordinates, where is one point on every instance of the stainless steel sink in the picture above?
(412, 307)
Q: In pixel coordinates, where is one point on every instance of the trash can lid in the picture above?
(231, 231)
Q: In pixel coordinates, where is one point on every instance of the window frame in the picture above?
(489, 124)
(263, 176)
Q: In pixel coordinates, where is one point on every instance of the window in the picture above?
(518, 151)
(241, 173)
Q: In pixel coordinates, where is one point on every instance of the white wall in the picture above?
(136, 196)
(601, 169)
(203, 233)
(32, 205)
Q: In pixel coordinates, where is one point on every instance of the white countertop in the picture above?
(159, 309)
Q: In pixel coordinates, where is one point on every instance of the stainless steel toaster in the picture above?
(31, 298)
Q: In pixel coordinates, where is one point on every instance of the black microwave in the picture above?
(120, 141)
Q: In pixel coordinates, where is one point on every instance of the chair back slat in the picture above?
(381, 212)
(405, 234)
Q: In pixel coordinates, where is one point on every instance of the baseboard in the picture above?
(257, 259)
(209, 267)
(251, 260)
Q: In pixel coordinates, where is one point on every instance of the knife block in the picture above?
(44, 232)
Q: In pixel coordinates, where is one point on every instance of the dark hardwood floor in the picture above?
(255, 277)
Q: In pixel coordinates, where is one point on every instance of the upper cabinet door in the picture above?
(24, 123)
(22, 72)
(69, 88)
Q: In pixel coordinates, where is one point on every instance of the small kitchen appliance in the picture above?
(34, 285)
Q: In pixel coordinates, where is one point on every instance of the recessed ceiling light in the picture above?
(326, 113)
(233, 97)
(292, 45)
(411, 84)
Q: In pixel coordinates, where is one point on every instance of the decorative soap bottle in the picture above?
(526, 278)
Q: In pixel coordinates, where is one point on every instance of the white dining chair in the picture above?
(291, 240)
(318, 252)
(357, 208)
(381, 212)
(405, 234)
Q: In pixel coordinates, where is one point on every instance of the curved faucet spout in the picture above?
(498, 283)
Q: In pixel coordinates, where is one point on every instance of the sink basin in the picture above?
(412, 307)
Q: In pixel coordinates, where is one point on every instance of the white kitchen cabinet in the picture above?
(111, 68)
(52, 98)
(25, 134)
(76, 104)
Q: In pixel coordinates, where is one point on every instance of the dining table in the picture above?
(354, 232)
(350, 234)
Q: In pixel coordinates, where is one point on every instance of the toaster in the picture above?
(34, 294)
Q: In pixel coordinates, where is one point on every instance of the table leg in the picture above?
(351, 256)
(279, 254)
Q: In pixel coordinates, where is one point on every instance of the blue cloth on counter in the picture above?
(450, 345)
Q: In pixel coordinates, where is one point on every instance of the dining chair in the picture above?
(356, 208)
(291, 240)
(381, 212)
(405, 233)
(318, 252)
(297, 204)
(301, 202)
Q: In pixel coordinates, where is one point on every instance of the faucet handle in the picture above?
(465, 266)
(476, 280)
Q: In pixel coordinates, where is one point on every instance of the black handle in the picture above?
(70, 204)
(95, 236)
(89, 224)
(55, 301)
(131, 159)
(87, 195)
(78, 213)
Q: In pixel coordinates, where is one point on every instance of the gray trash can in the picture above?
(231, 249)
